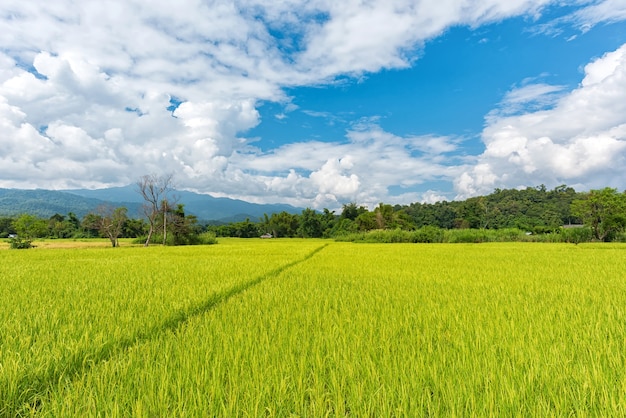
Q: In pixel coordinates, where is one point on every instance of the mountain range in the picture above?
(45, 203)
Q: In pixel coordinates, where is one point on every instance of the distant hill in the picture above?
(45, 203)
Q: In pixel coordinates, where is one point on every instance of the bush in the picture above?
(17, 243)
(207, 238)
(577, 235)
(433, 234)
(428, 234)
(467, 236)
(621, 237)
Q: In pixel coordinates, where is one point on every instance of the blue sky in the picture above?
(315, 103)
(457, 79)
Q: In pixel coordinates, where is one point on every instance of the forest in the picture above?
(533, 213)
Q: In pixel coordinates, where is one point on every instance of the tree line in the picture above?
(599, 214)
(533, 211)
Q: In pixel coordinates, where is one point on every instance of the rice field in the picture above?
(314, 328)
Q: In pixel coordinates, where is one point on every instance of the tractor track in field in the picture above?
(35, 386)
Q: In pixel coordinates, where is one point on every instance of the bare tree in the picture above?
(154, 190)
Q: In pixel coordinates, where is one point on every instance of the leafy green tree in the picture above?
(244, 229)
(475, 211)
(342, 227)
(74, 221)
(383, 214)
(366, 221)
(134, 228)
(282, 224)
(352, 211)
(29, 227)
(390, 217)
(310, 224)
(6, 227)
(89, 225)
(60, 227)
(603, 211)
(328, 220)
(185, 229)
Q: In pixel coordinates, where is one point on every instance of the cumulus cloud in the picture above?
(359, 169)
(95, 94)
(580, 140)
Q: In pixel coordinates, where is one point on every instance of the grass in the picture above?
(316, 328)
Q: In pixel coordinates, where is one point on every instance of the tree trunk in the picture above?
(164, 225)
(149, 236)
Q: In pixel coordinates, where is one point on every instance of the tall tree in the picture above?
(603, 211)
(310, 224)
(154, 190)
(184, 227)
(282, 224)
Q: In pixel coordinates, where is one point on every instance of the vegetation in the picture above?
(314, 328)
(532, 214)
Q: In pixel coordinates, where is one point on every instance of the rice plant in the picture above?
(373, 330)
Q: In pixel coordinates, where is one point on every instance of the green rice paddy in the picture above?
(314, 328)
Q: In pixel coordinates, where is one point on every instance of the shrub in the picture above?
(18, 243)
(428, 234)
(577, 235)
(207, 238)
(467, 236)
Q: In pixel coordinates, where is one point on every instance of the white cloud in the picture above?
(605, 11)
(532, 96)
(589, 14)
(360, 169)
(580, 140)
(85, 89)
(432, 196)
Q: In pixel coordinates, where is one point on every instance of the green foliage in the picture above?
(109, 222)
(351, 211)
(342, 227)
(523, 209)
(366, 221)
(203, 238)
(18, 243)
(432, 234)
(428, 234)
(604, 211)
(207, 238)
(29, 226)
(576, 235)
(282, 224)
(514, 213)
(6, 227)
(311, 225)
(245, 229)
(184, 228)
